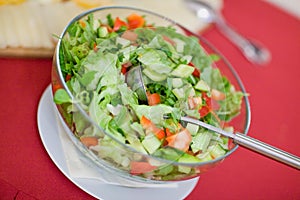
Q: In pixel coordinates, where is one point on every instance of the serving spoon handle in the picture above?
(267, 150)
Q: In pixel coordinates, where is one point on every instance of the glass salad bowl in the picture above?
(182, 74)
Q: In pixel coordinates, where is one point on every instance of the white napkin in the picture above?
(81, 167)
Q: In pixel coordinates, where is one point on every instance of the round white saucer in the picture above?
(48, 130)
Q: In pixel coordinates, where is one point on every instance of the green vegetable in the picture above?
(193, 128)
(182, 71)
(186, 158)
(202, 86)
(216, 151)
(154, 76)
(151, 143)
(201, 141)
(61, 96)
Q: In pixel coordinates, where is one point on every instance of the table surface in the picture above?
(27, 172)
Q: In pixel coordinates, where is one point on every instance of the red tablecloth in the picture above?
(27, 172)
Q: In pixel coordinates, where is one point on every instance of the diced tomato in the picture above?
(215, 105)
(127, 64)
(82, 23)
(125, 67)
(168, 132)
(180, 140)
(68, 77)
(160, 134)
(194, 102)
(230, 144)
(204, 110)
(89, 141)
(123, 70)
(217, 95)
(118, 24)
(56, 85)
(196, 71)
(140, 167)
(210, 106)
(95, 48)
(130, 35)
(207, 100)
(152, 128)
(135, 21)
(109, 29)
(145, 122)
(171, 138)
(153, 99)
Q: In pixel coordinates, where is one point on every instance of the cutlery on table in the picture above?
(256, 53)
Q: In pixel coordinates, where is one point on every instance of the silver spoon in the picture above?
(252, 144)
(254, 52)
(134, 80)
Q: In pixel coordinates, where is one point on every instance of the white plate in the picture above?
(48, 130)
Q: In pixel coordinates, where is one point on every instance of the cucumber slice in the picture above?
(179, 93)
(151, 143)
(177, 82)
(123, 42)
(193, 128)
(202, 86)
(102, 32)
(186, 158)
(154, 75)
(183, 71)
(204, 157)
(201, 141)
(216, 151)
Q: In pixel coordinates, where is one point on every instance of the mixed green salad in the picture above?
(179, 79)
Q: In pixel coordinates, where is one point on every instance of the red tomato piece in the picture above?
(130, 35)
(68, 77)
(118, 24)
(217, 95)
(196, 72)
(153, 99)
(135, 21)
(180, 140)
(204, 110)
(150, 127)
(89, 141)
(140, 167)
